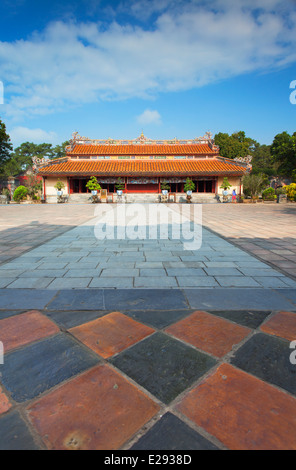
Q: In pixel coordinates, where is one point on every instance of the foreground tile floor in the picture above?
(154, 380)
(140, 344)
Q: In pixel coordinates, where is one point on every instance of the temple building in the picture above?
(143, 165)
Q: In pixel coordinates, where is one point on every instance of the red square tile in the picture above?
(4, 402)
(111, 334)
(243, 412)
(208, 332)
(99, 410)
(282, 324)
(25, 328)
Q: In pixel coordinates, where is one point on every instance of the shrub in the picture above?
(253, 184)
(291, 191)
(268, 194)
(20, 193)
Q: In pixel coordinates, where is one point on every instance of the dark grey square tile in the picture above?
(158, 318)
(69, 319)
(148, 299)
(14, 433)
(248, 318)
(268, 358)
(170, 433)
(9, 313)
(29, 371)
(163, 365)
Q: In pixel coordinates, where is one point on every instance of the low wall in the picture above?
(85, 198)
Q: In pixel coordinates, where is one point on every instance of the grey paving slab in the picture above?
(112, 282)
(207, 281)
(186, 272)
(149, 264)
(6, 281)
(241, 298)
(151, 272)
(223, 272)
(83, 273)
(77, 299)
(238, 281)
(261, 272)
(30, 283)
(5, 273)
(147, 299)
(70, 283)
(118, 272)
(271, 281)
(25, 298)
(43, 273)
(289, 294)
(155, 282)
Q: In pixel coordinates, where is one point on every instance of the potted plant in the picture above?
(165, 187)
(93, 185)
(59, 186)
(189, 186)
(120, 186)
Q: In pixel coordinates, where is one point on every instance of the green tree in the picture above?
(283, 151)
(5, 147)
(262, 161)
(253, 184)
(235, 145)
(59, 151)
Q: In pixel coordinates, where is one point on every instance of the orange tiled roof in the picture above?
(137, 149)
(143, 168)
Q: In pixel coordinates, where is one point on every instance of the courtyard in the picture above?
(129, 343)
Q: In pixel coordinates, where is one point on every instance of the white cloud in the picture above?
(189, 44)
(149, 116)
(21, 134)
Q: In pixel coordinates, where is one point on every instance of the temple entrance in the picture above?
(142, 188)
(205, 186)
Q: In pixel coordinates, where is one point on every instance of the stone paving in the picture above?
(154, 367)
(78, 259)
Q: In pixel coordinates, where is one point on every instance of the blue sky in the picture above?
(169, 68)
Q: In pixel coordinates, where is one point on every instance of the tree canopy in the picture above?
(234, 145)
(283, 151)
(21, 158)
(5, 146)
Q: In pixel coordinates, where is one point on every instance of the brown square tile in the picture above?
(99, 410)
(111, 334)
(282, 324)
(25, 328)
(4, 402)
(243, 412)
(212, 334)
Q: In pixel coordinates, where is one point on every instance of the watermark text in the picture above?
(293, 94)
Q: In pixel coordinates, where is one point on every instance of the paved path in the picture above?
(178, 367)
(25, 226)
(265, 230)
(79, 258)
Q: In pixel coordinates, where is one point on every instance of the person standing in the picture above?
(234, 196)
